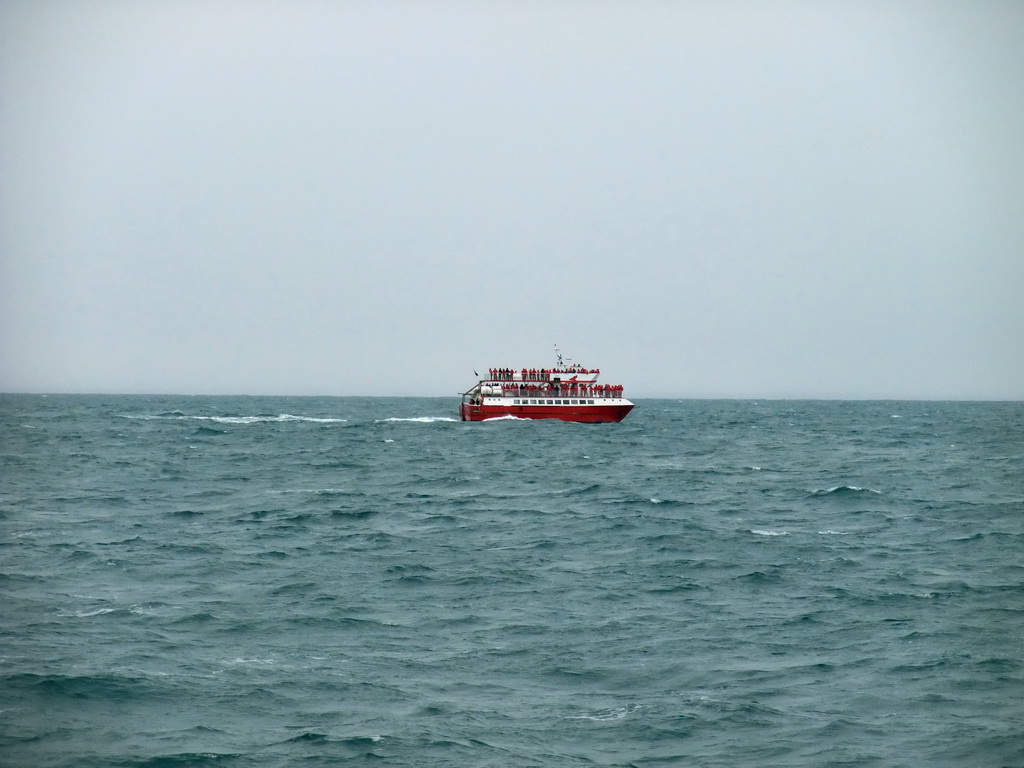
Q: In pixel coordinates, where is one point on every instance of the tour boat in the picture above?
(566, 392)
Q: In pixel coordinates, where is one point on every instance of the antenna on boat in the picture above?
(558, 355)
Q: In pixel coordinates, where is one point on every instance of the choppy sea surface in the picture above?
(246, 581)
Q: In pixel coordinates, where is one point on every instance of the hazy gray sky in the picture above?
(735, 199)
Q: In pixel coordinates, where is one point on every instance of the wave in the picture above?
(352, 514)
(608, 715)
(314, 737)
(843, 490)
(586, 490)
(186, 760)
(81, 687)
(661, 500)
(318, 491)
(94, 612)
(769, 533)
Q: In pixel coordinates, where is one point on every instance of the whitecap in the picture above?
(607, 715)
(843, 489)
(310, 490)
(97, 612)
(770, 533)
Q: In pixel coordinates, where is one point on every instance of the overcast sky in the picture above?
(703, 199)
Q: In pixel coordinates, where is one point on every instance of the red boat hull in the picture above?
(591, 414)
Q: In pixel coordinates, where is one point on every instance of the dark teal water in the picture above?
(314, 581)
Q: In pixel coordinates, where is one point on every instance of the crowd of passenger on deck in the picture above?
(537, 374)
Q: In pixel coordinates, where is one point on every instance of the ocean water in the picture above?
(246, 581)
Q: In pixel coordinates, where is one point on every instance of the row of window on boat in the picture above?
(569, 389)
(542, 401)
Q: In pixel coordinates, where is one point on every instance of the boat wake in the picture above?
(417, 419)
(259, 419)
